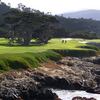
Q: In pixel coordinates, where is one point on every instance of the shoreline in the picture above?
(69, 72)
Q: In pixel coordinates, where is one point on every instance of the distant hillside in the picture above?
(93, 14)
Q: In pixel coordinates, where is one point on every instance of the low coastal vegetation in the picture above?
(25, 60)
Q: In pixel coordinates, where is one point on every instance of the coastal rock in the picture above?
(78, 75)
(97, 60)
(69, 73)
(83, 98)
(24, 89)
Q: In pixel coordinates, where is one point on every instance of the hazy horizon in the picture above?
(57, 6)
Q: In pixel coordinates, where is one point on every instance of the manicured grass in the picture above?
(94, 40)
(15, 57)
(53, 44)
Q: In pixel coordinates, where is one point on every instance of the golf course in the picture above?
(16, 56)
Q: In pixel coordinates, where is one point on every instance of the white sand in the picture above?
(66, 39)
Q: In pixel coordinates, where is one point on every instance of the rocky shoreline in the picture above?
(68, 73)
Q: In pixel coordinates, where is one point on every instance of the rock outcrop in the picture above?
(68, 73)
(82, 98)
(23, 88)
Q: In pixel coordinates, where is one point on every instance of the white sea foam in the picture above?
(69, 94)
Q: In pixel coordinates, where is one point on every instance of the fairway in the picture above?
(73, 44)
(15, 57)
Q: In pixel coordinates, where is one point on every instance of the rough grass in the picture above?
(26, 60)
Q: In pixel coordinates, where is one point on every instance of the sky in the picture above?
(57, 6)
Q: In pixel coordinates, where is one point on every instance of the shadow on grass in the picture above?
(77, 53)
(89, 47)
(18, 45)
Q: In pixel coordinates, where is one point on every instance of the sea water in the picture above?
(69, 94)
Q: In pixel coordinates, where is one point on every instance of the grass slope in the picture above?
(26, 60)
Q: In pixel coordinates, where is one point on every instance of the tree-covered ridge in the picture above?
(21, 25)
(3, 9)
(79, 26)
